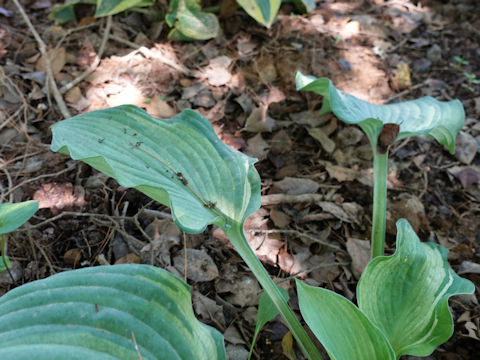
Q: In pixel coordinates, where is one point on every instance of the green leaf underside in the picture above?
(263, 11)
(105, 139)
(406, 294)
(111, 7)
(425, 116)
(14, 215)
(91, 314)
(344, 331)
(266, 312)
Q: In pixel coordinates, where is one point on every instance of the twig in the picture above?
(404, 92)
(299, 234)
(47, 259)
(185, 257)
(3, 250)
(316, 267)
(10, 185)
(38, 178)
(157, 57)
(276, 199)
(96, 62)
(43, 50)
(156, 213)
(136, 347)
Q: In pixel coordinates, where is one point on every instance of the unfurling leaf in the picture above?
(425, 116)
(406, 294)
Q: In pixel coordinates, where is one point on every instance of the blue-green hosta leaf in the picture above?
(266, 312)
(406, 294)
(112, 7)
(14, 215)
(344, 331)
(105, 313)
(264, 11)
(149, 154)
(425, 116)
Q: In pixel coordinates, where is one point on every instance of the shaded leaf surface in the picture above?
(424, 116)
(92, 313)
(148, 154)
(344, 331)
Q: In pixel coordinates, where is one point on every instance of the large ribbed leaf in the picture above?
(424, 116)
(406, 294)
(117, 312)
(179, 162)
(264, 11)
(14, 215)
(344, 331)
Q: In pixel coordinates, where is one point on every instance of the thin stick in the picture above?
(136, 347)
(38, 178)
(276, 199)
(299, 234)
(43, 50)
(96, 62)
(42, 251)
(184, 257)
(3, 250)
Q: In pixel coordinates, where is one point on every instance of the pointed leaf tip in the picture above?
(406, 294)
(344, 331)
(14, 215)
(425, 116)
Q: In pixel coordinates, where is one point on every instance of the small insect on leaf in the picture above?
(181, 178)
(210, 204)
(387, 137)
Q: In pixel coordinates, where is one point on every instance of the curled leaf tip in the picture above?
(424, 116)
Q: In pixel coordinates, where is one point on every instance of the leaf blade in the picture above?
(94, 311)
(406, 294)
(186, 144)
(333, 319)
(425, 116)
(14, 215)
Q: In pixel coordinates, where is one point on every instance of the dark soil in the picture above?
(379, 51)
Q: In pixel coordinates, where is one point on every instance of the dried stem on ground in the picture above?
(98, 57)
(43, 50)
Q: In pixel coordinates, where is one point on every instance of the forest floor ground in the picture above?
(243, 82)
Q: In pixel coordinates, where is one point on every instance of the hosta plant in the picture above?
(403, 299)
(384, 124)
(182, 164)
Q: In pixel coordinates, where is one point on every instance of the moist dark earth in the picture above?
(243, 82)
